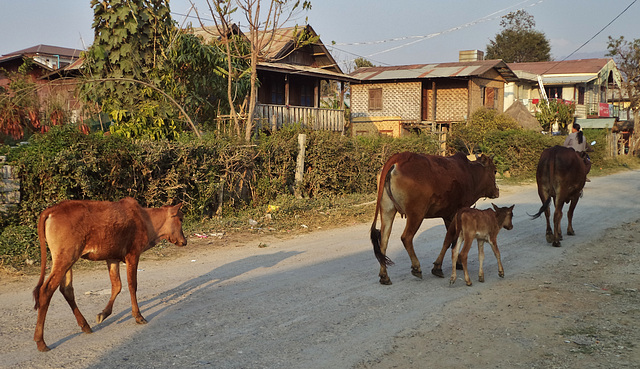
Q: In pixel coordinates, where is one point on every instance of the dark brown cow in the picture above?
(425, 186)
(99, 230)
(481, 225)
(561, 175)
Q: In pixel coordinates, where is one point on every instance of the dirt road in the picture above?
(315, 302)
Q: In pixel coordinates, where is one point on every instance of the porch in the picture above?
(274, 117)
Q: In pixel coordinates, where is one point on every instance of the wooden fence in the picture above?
(274, 117)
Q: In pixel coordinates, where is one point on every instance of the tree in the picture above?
(262, 25)
(362, 63)
(626, 54)
(519, 42)
(131, 38)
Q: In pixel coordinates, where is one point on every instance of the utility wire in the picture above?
(591, 39)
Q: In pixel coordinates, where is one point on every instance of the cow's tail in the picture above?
(43, 258)
(376, 236)
(544, 207)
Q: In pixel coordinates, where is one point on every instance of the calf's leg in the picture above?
(496, 252)
(132, 279)
(386, 224)
(66, 288)
(455, 252)
(116, 287)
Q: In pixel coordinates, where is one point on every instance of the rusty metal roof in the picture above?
(437, 70)
(282, 43)
(562, 67)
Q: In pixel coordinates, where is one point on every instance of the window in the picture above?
(306, 96)
(375, 99)
(553, 92)
(580, 95)
(277, 93)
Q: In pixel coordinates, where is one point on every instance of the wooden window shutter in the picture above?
(375, 99)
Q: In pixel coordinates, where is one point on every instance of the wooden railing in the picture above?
(274, 117)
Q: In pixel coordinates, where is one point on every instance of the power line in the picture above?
(592, 37)
(603, 28)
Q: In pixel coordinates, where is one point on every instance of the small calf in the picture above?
(482, 225)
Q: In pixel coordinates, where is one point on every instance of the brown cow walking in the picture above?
(99, 230)
(481, 225)
(561, 175)
(426, 186)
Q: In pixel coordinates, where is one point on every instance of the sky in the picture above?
(385, 32)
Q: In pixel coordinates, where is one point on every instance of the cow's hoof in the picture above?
(141, 320)
(437, 272)
(87, 329)
(386, 281)
(42, 347)
(481, 279)
(556, 244)
(549, 238)
(100, 318)
(452, 281)
(416, 272)
(571, 233)
(501, 274)
(469, 284)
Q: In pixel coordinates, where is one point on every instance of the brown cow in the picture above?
(482, 225)
(561, 175)
(99, 230)
(426, 186)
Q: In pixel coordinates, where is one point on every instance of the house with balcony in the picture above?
(292, 81)
(589, 83)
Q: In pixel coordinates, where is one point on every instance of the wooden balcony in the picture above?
(274, 117)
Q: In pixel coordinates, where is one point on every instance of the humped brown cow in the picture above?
(99, 230)
(426, 186)
(561, 175)
(481, 225)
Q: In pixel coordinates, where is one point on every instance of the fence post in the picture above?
(302, 141)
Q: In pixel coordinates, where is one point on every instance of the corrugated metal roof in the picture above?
(562, 67)
(439, 70)
(283, 43)
(596, 123)
(304, 70)
(559, 80)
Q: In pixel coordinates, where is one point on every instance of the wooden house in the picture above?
(398, 99)
(291, 80)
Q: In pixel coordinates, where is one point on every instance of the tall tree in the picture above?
(626, 54)
(123, 66)
(518, 41)
(262, 26)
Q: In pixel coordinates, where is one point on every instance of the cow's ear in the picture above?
(494, 206)
(512, 206)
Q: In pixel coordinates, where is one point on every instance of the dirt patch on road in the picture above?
(580, 312)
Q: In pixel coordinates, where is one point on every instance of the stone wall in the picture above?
(9, 185)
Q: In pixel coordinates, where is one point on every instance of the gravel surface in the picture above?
(314, 301)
